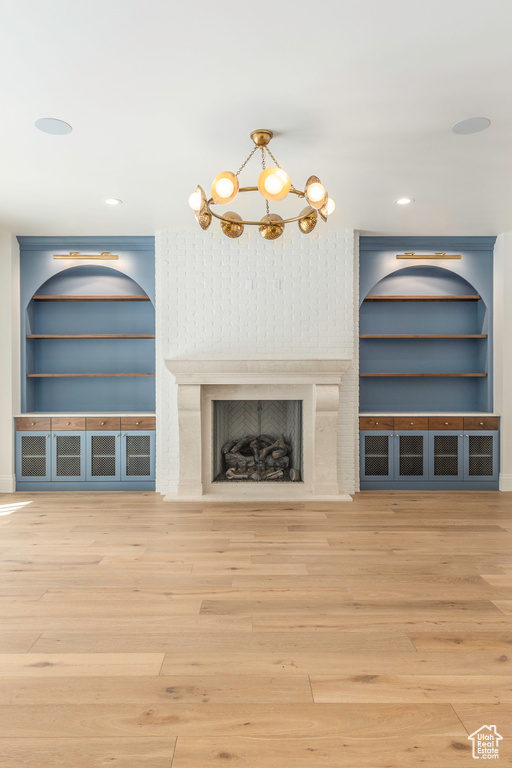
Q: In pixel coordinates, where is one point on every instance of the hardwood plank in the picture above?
(504, 605)
(473, 716)
(88, 752)
(487, 689)
(309, 751)
(255, 721)
(17, 641)
(463, 641)
(45, 665)
(349, 662)
(211, 641)
(153, 689)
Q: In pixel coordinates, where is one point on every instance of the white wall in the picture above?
(301, 305)
(9, 356)
(503, 352)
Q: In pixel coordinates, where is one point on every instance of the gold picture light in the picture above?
(105, 255)
(442, 255)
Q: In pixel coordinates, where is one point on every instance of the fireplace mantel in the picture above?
(219, 371)
(315, 382)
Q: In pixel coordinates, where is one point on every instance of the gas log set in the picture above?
(257, 458)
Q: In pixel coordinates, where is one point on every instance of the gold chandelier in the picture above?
(273, 184)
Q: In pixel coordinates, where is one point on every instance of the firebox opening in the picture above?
(257, 441)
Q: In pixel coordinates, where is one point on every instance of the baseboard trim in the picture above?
(7, 483)
(506, 483)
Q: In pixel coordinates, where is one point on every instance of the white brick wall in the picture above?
(301, 305)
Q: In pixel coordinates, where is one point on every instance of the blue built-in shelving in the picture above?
(426, 326)
(87, 327)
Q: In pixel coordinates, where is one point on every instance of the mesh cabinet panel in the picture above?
(68, 455)
(33, 456)
(376, 455)
(480, 455)
(446, 455)
(103, 456)
(138, 457)
(411, 455)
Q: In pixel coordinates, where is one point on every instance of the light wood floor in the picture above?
(137, 633)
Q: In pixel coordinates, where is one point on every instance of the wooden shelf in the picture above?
(423, 336)
(474, 297)
(91, 336)
(91, 298)
(77, 375)
(465, 375)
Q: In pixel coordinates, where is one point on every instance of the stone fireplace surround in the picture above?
(315, 382)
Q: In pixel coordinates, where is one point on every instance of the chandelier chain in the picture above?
(276, 163)
(273, 158)
(264, 165)
(246, 161)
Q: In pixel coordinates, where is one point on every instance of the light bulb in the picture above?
(316, 192)
(195, 201)
(331, 205)
(274, 184)
(404, 200)
(224, 187)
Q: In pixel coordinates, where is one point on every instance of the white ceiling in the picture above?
(162, 95)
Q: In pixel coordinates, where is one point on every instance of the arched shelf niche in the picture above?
(424, 344)
(89, 344)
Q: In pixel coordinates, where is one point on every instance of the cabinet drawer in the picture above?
(138, 422)
(411, 422)
(76, 423)
(375, 422)
(103, 422)
(481, 422)
(32, 425)
(445, 422)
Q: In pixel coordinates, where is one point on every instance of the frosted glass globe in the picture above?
(316, 192)
(274, 184)
(331, 205)
(224, 187)
(195, 201)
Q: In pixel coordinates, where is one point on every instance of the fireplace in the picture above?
(294, 401)
(257, 441)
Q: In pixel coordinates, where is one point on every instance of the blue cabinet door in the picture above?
(410, 455)
(68, 456)
(481, 449)
(446, 454)
(138, 455)
(103, 456)
(33, 456)
(376, 455)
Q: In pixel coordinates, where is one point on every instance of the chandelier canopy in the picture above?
(273, 184)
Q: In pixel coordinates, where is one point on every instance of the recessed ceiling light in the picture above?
(404, 200)
(471, 125)
(113, 201)
(53, 126)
